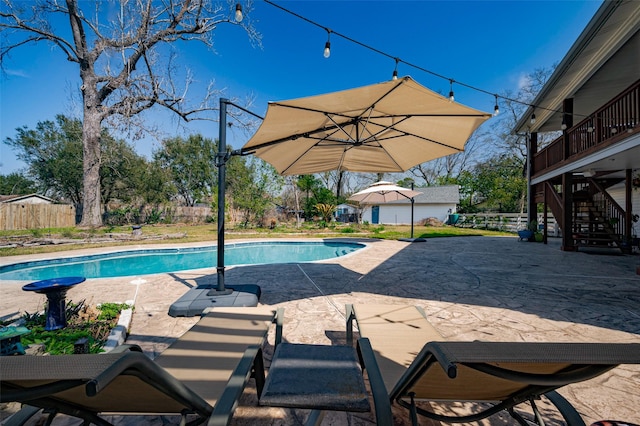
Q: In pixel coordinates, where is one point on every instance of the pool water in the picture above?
(144, 262)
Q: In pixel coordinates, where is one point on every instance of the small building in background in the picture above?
(346, 213)
(25, 199)
(435, 202)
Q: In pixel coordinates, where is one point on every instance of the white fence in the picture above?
(509, 222)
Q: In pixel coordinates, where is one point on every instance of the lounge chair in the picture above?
(414, 362)
(203, 373)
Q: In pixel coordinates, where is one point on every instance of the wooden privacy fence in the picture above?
(35, 216)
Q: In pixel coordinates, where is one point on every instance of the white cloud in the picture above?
(523, 81)
(16, 73)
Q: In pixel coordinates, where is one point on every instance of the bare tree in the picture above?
(443, 170)
(125, 51)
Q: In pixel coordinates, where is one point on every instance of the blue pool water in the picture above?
(143, 262)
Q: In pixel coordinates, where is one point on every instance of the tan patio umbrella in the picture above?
(385, 192)
(385, 127)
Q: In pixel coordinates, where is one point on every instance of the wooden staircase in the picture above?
(597, 220)
(591, 227)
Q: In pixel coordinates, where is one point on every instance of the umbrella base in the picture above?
(195, 301)
(413, 240)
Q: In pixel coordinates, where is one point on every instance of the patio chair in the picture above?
(503, 374)
(200, 376)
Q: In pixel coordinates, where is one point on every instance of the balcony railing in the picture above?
(615, 121)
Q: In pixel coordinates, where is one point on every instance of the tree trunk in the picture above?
(91, 128)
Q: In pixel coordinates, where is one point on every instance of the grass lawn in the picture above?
(14, 243)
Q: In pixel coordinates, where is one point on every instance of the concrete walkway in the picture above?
(472, 288)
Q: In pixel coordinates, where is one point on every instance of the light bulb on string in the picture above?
(451, 97)
(533, 116)
(327, 45)
(496, 108)
(395, 70)
(238, 12)
(563, 126)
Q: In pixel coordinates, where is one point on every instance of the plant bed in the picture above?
(93, 323)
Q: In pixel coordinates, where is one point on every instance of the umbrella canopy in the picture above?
(383, 192)
(385, 127)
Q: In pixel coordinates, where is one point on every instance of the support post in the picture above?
(568, 243)
(221, 161)
(532, 210)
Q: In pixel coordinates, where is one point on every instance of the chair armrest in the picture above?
(228, 401)
(381, 399)
(350, 317)
(279, 321)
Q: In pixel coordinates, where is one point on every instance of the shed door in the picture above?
(375, 214)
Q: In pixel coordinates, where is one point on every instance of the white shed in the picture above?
(435, 201)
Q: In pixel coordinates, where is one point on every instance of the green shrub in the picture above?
(62, 341)
(109, 311)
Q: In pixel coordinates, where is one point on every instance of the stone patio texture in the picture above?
(472, 288)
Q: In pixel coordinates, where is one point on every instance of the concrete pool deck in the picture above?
(472, 288)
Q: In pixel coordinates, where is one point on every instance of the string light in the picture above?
(327, 53)
(395, 71)
(496, 108)
(533, 116)
(451, 97)
(563, 126)
(239, 12)
(327, 45)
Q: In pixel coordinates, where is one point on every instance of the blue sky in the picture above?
(491, 45)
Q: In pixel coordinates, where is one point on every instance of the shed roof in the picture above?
(19, 198)
(446, 194)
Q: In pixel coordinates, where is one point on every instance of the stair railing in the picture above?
(614, 214)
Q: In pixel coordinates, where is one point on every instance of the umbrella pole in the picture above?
(221, 161)
(197, 300)
(412, 201)
(412, 239)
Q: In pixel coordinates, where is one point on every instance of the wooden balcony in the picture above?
(614, 122)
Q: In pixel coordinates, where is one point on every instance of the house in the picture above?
(434, 201)
(25, 199)
(585, 177)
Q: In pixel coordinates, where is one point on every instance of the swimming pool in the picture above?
(155, 261)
